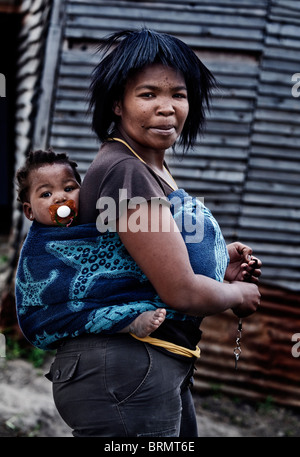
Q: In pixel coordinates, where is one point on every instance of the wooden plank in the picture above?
(278, 116)
(203, 163)
(293, 19)
(195, 41)
(75, 120)
(283, 42)
(275, 52)
(272, 247)
(262, 236)
(79, 71)
(41, 129)
(91, 15)
(216, 175)
(205, 31)
(284, 12)
(79, 106)
(264, 198)
(71, 130)
(264, 224)
(30, 52)
(282, 165)
(276, 140)
(255, 4)
(275, 127)
(30, 68)
(36, 5)
(74, 143)
(274, 175)
(201, 152)
(201, 188)
(288, 6)
(280, 103)
(266, 151)
(274, 190)
(216, 7)
(231, 128)
(290, 67)
(280, 30)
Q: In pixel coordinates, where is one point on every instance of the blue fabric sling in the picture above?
(75, 280)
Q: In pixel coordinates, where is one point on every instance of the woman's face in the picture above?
(154, 107)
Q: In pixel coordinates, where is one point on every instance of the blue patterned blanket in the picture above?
(74, 280)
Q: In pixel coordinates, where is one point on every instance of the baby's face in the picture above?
(50, 185)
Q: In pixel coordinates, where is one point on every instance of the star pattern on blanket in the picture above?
(45, 340)
(32, 290)
(104, 257)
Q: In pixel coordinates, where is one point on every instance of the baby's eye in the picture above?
(69, 189)
(46, 194)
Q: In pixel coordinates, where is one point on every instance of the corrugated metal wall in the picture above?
(32, 41)
(270, 210)
(247, 167)
(269, 364)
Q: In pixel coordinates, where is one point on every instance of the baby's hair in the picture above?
(127, 52)
(36, 159)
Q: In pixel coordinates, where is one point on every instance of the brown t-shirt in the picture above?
(116, 167)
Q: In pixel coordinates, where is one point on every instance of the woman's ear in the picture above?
(27, 210)
(117, 108)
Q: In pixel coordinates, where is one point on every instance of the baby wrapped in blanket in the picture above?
(73, 279)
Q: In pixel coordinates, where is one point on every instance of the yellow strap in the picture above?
(129, 147)
(170, 346)
(133, 152)
(148, 339)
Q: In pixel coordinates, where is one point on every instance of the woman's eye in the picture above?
(148, 95)
(180, 96)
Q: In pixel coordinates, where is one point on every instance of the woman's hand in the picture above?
(250, 299)
(242, 266)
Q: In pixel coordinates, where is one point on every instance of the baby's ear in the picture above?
(27, 211)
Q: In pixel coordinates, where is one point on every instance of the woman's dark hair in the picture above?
(36, 159)
(125, 53)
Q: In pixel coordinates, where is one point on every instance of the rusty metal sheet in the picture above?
(269, 364)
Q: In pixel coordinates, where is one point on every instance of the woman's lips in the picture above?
(164, 129)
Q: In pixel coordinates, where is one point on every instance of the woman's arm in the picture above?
(163, 257)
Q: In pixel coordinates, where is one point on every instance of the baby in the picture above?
(48, 188)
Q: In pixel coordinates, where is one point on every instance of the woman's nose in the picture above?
(166, 108)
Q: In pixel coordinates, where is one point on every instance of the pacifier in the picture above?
(63, 215)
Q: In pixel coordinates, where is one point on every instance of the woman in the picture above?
(148, 91)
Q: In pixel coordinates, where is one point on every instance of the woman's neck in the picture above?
(152, 157)
(157, 166)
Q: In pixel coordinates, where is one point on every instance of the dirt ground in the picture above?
(27, 409)
(224, 417)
